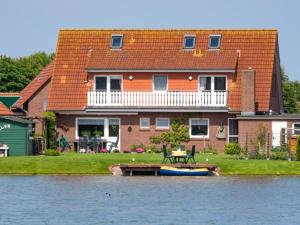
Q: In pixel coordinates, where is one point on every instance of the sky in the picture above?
(33, 25)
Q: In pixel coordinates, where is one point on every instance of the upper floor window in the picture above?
(296, 128)
(189, 41)
(214, 41)
(116, 41)
(160, 82)
(108, 83)
(212, 83)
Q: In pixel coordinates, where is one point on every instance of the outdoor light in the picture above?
(130, 77)
(190, 77)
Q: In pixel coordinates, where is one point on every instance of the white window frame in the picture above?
(121, 43)
(209, 42)
(198, 136)
(189, 36)
(108, 78)
(212, 86)
(153, 87)
(293, 126)
(145, 118)
(106, 125)
(162, 128)
(237, 136)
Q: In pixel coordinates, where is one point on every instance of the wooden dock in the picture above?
(154, 169)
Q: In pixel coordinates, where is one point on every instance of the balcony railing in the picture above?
(157, 99)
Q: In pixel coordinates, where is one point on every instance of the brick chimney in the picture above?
(248, 98)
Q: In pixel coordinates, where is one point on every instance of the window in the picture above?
(108, 83)
(144, 123)
(113, 127)
(296, 128)
(116, 41)
(90, 127)
(162, 123)
(233, 130)
(205, 83)
(189, 41)
(212, 83)
(160, 82)
(199, 128)
(220, 83)
(214, 41)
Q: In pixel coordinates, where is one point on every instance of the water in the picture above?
(109, 200)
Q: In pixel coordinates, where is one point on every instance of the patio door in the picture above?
(107, 128)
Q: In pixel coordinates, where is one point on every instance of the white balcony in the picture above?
(157, 99)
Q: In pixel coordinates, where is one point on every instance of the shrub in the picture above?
(232, 148)
(139, 150)
(135, 146)
(51, 152)
(154, 149)
(298, 148)
(155, 139)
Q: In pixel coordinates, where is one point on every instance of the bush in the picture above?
(153, 149)
(139, 150)
(232, 149)
(51, 152)
(298, 148)
(155, 139)
(134, 147)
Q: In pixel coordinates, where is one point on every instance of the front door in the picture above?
(277, 126)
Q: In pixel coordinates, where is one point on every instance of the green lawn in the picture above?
(74, 163)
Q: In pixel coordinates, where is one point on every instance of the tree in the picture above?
(16, 73)
(290, 93)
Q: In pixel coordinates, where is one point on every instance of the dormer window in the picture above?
(214, 41)
(116, 41)
(189, 41)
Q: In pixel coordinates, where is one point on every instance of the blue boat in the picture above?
(172, 171)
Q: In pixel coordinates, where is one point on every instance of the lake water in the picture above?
(149, 200)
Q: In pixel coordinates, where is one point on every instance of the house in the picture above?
(131, 84)
(33, 99)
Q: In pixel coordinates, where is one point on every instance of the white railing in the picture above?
(157, 99)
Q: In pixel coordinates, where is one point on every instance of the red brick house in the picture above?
(132, 83)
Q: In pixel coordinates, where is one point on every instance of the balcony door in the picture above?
(109, 88)
(212, 83)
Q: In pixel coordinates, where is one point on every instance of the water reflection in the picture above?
(149, 200)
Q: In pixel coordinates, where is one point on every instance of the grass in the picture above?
(74, 163)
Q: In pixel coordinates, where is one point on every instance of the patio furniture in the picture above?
(96, 142)
(83, 143)
(113, 144)
(63, 143)
(179, 156)
(191, 156)
(167, 155)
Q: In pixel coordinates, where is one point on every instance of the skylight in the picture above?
(116, 41)
(214, 41)
(189, 41)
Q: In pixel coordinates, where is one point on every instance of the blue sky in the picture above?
(33, 25)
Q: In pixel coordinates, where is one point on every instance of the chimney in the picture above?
(248, 98)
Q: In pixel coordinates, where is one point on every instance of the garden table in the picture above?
(179, 156)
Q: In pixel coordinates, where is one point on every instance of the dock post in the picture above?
(131, 173)
(156, 173)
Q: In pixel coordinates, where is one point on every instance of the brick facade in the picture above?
(37, 104)
(138, 136)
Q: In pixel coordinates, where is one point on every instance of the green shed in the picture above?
(15, 132)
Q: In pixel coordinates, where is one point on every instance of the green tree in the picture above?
(16, 73)
(290, 93)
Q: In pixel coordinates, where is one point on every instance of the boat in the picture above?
(173, 171)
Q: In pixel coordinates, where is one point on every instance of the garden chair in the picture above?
(83, 143)
(191, 156)
(167, 155)
(63, 143)
(113, 145)
(96, 143)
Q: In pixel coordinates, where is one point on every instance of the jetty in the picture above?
(154, 169)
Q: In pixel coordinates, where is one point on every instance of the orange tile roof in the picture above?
(78, 50)
(35, 85)
(4, 111)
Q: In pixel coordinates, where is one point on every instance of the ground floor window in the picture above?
(103, 127)
(296, 128)
(144, 123)
(199, 128)
(162, 123)
(233, 130)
